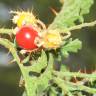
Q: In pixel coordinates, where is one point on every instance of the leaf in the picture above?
(72, 46)
(72, 11)
(46, 76)
(36, 85)
(29, 81)
(32, 81)
(38, 65)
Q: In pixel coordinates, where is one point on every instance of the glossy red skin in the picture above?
(25, 37)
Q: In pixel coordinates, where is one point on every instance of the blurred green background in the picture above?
(84, 59)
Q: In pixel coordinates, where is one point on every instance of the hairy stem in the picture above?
(82, 25)
(74, 74)
(6, 31)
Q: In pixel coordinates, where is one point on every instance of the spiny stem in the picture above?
(13, 51)
(72, 74)
(62, 85)
(82, 25)
(82, 87)
(6, 31)
(73, 86)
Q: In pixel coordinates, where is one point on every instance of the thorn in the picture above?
(12, 61)
(8, 53)
(22, 83)
(85, 71)
(14, 12)
(80, 71)
(76, 80)
(54, 11)
(10, 36)
(94, 72)
(91, 81)
(62, 1)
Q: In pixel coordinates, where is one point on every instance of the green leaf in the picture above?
(38, 65)
(28, 80)
(31, 83)
(72, 46)
(37, 85)
(45, 77)
(72, 11)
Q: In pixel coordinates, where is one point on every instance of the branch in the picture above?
(6, 31)
(82, 25)
(73, 86)
(74, 74)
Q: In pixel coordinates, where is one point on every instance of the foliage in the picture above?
(72, 46)
(73, 10)
(41, 78)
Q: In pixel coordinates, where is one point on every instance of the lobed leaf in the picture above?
(71, 11)
(72, 46)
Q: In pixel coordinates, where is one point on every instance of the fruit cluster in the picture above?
(31, 33)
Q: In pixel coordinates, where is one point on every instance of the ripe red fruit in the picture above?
(25, 37)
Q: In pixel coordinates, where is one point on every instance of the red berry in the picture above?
(25, 38)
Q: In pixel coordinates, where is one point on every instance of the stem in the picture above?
(82, 25)
(6, 31)
(82, 87)
(73, 86)
(62, 85)
(10, 46)
(73, 74)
